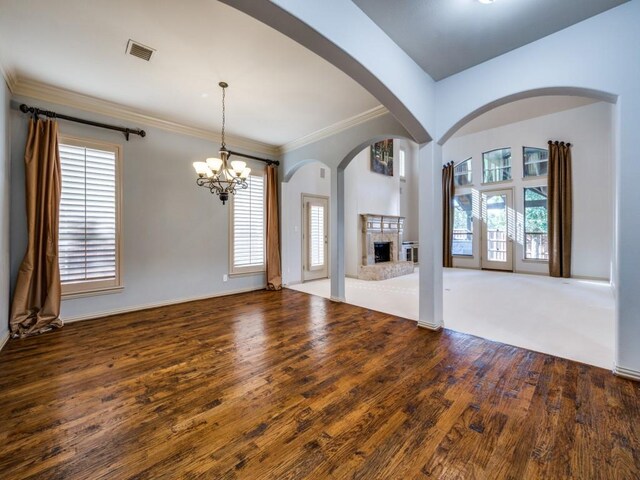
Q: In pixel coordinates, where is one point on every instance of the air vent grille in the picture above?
(139, 50)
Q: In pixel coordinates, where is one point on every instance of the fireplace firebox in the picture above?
(382, 251)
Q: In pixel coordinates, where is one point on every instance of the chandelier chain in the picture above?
(223, 115)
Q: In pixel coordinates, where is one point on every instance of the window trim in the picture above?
(510, 166)
(86, 288)
(524, 165)
(524, 223)
(251, 269)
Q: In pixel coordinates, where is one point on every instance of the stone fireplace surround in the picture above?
(382, 229)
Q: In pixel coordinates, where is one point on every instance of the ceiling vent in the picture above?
(138, 50)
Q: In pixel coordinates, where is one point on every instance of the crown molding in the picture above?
(48, 93)
(334, 129)
(61, 96)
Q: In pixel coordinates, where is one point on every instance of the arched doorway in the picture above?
(525, 309)
(388, 192)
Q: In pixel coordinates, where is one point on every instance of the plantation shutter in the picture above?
(88, 229)
(248, 225)
(316, 234)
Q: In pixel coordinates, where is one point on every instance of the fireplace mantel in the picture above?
(378, 228)
(381, 228)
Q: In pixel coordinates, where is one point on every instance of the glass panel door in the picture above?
(315, 260)
(497, 230)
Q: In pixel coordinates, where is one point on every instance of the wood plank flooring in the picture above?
(283, 385)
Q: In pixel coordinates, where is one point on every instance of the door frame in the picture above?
(303, 249)
(510, 222)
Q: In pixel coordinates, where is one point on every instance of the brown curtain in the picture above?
(447, 214)
(36, 300)
(274, 270)
(560, 199)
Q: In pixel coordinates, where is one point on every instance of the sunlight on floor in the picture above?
(569, 318)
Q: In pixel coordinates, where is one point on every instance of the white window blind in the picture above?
(88, 243)
(401, 165)
(316, 234)
(248, 240)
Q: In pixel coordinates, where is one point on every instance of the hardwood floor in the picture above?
(283, 385)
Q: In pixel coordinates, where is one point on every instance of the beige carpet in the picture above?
(569, 318)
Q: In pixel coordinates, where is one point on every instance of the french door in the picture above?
(498, 230)
(315, 237)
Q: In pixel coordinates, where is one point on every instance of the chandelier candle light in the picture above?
(218, 174)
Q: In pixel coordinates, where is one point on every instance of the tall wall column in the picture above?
(336, 234)
(430, 236)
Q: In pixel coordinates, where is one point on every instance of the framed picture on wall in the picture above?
(382, 157)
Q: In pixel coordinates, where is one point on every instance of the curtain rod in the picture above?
(48, 113)
(127, 131)
(265, 160)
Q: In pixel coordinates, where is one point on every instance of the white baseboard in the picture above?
(430, 326)
(627, 373)
(596, 279)
(108, 313)
(4, 340)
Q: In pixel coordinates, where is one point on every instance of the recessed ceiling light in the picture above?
(486, 2)
(204, 95)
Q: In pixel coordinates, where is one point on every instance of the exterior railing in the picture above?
(536, 246)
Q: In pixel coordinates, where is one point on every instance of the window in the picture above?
(248, 227)
(496, 165)
(316, 235)
(462, 225)
(89, 229)
(535, 223)
(462, 173)
(401, 165)
(536, 161)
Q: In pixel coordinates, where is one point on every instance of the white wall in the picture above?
(589, 129)
(370, 192)
(306, 180)
(175, 234)
(5, 161)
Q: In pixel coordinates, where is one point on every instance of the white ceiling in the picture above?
(522, 110)
(278, 90)
(447, 36)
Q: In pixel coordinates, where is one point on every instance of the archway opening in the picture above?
(378, 216)
(499, 287)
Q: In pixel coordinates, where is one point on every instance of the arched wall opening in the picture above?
(587, 119)
(594, 94)
(339, 271)
(380, 191)
(428, 164)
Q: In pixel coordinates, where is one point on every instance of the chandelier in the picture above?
(218, 174)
